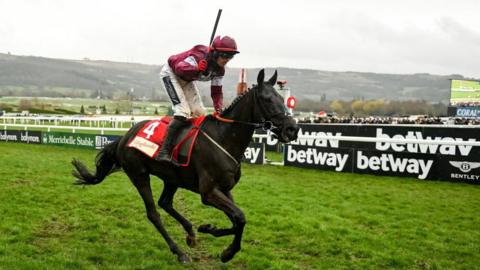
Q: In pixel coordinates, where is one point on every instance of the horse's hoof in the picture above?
(191, 241)
(227, 254)
(183, 258)
(205, 228)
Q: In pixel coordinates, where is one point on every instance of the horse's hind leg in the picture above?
(142, 183)
(221, 201)
(166, 202)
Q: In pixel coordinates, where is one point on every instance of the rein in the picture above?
(265, 124)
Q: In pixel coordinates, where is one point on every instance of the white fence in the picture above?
(318, 136)
(90, 121)
(102, 124)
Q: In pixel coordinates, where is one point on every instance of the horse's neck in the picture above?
(235, 137)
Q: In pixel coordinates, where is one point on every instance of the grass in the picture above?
(296, 219)
(274, 156)
(75, 104)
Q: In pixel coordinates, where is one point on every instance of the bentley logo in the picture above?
(465, 166)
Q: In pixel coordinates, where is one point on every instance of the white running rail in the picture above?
(318, 137)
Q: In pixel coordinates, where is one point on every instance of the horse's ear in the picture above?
(261, 78)
(273, 79)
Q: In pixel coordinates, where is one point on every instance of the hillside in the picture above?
(38, 76)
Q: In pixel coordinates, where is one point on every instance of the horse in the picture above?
(214, 168)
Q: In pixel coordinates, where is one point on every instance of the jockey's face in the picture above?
(222, 61)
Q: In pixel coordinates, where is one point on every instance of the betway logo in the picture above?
(388, 162)
(313, 156)
(251, 154)
(314, 139)
(464, 150)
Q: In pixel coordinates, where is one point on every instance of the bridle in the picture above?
(262, 123)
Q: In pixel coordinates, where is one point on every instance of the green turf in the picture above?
(274, 156)
(465, 96)
(296, 219)
(75, 104)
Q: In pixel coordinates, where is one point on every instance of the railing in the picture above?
(99, 122)
(318, 137)
(72, 128)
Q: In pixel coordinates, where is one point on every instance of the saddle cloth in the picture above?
(150, 137)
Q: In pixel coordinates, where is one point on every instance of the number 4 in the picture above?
(151, 129)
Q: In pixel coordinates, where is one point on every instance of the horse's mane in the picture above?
(234, 103)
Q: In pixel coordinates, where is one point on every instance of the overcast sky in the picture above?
(401, 36)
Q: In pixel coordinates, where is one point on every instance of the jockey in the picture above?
(200, 63)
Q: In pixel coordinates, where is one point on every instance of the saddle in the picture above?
(150, 137)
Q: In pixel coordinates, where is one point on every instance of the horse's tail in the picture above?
(105, 162)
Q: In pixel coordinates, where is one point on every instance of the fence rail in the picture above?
(105, 121)
(318, 137)
(72, 128)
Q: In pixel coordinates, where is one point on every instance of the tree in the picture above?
(124, 106)
(357, 106)
(338, 106)
(25, 104)
(82, 110)
(374, 107)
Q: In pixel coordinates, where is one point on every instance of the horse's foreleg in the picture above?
(217, 232)
(142, 183)
(222, 201)
(166, 202)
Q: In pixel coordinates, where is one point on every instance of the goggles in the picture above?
(226, 55)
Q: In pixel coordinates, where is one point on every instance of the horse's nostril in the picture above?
(292, 130)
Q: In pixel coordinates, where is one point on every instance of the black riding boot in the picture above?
(166, 152)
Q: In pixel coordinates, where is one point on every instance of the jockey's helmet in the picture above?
(225, 44)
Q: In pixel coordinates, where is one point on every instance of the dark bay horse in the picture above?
(214, 168)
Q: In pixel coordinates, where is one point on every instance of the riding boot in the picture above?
(175, 125)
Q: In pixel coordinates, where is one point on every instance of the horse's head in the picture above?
(270, 108)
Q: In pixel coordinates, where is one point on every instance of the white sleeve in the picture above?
(217, 81)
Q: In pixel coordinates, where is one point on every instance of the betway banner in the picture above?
(271, 144)
(21, 136)
(255, 153)
(422, 161)
(334, 159)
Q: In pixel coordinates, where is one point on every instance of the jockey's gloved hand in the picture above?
(202, 65)
(218, 110)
